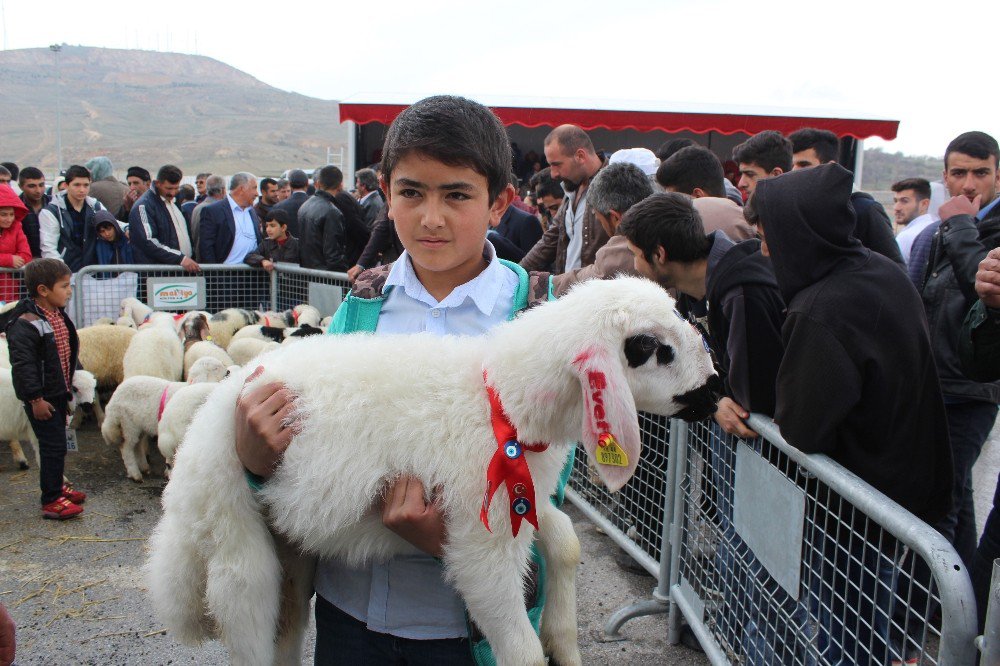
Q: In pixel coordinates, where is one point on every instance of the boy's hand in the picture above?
(42, 410)
(190, 265)
(8, 643)
(730, 416)
(353, 272)
(407, 512)
(262, 428)
(18, 261)
(267, 265)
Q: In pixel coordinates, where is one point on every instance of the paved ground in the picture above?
(76, 591)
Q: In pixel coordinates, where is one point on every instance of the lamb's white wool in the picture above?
(245, 350)
(226, 322)
(155, 351)
(127, 322)
(205, 349)
(214, 564)
(135, 310)
(104, 321)
(102, 352)
(274, 319)
(177, 415)
(325, 322)
(4, 352)
(162, 319)
(14, 424)
(306, 314)
(131, 414)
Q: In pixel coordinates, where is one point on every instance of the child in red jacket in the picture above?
(14, 249)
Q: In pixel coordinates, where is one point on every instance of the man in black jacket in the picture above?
(322, 225)
(857, 382)
(157, 229)
(298, 181)
(32, 183)
(969, 229)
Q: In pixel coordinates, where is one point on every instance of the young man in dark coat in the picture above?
(857, 382)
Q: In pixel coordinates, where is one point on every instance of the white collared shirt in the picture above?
(244, 238)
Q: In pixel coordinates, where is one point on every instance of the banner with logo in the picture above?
(175, 293)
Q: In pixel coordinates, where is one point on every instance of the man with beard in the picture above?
(268, 197)
(32, 183)
(576, 234)
(911, 200)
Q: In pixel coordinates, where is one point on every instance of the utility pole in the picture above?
(56, 48)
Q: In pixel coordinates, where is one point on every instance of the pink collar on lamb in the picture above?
(509, 467)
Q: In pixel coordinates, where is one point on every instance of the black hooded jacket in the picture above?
(745, 314)
(857, 381)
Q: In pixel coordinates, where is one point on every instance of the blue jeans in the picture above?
(343, 641)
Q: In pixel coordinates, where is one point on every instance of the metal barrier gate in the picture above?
(775, 557)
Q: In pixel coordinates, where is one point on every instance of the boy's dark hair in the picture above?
(455, 131)
(546, 186)
(824, 142)
(44, 272)
(265, 182)
(980, 145)
(329, 177)
(618, 187)
(668, 148)
(666, 219)
(279, 216)
(767, 149)
(168, 173)
(13, 168)
(138, 172)
(30, 173)
(77, 171)
(690, 168)
(920, 186)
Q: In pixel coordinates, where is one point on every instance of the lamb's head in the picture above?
(629, 349)
(306, 314)
(134, 308)
(194, 327)
(207, 369)
(84, 389)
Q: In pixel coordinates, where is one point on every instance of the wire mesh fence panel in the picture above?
(324, 290)
(12, 288)
(99, 290)
(637, 510)
(781, 568)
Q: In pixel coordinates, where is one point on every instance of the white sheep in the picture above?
(275, 319)
(245, 350)
(135, 310)
(216, 567)
(177, 415)
(225, 323)
(14, 424)
(198, 343)
(274, 334)
(133, 412)
(102, 352)
(126, 322)
(155, 351)
(306, 314)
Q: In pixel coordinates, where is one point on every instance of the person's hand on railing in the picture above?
(730, 416)
(267, 265)
(190, 265)
(18, 261)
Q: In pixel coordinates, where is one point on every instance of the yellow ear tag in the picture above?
(609, 452)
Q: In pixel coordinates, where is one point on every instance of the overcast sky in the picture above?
(933, 66)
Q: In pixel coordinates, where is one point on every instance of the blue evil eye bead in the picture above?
(512, 450)
(519, 489)
(679, 315)
(521, 506)
(704, 343)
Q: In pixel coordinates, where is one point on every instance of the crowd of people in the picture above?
(851, 337)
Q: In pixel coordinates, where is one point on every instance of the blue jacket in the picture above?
(217, 230)
(151, 231)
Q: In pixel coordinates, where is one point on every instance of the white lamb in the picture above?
(102, 352)
(245, 350)
(155, 351)
(217, 568)
(135, 310)
(14, 424)
(226, 322)
(306, 314)
(198, 343)
(132, 414)
(177, 416)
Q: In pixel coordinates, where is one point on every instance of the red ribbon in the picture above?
(509, 467)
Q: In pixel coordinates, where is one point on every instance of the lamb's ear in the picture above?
(610, 423)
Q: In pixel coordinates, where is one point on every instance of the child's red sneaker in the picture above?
(74, 496)
(61, 509)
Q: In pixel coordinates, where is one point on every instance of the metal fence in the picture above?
(12, 287)
(775, 557)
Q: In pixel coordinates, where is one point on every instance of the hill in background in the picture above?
(882, 169)
(151, 108)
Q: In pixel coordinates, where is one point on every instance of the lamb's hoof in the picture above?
(22, 465)
(136, 479)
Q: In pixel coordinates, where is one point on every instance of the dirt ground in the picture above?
(77, 594)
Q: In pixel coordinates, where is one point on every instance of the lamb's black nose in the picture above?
(700, 403)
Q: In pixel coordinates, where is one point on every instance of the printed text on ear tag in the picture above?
(609, 453)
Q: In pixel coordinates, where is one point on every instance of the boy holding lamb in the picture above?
(445, 174)
(43, 356)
